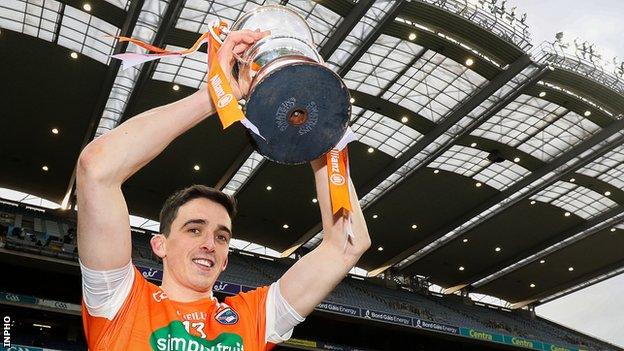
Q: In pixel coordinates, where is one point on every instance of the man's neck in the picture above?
(182, 294)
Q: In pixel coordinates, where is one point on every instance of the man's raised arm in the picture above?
(104, 241)
(316, 274)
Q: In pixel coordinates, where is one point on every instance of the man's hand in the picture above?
(236, 43)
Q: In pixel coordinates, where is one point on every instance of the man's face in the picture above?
(197, 245)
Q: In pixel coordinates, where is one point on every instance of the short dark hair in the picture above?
(170, 208)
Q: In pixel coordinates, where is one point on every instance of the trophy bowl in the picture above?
(300, 107)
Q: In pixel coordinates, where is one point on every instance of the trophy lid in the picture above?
(280, 20)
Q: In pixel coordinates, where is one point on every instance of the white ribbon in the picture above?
(247, 123)
(347, 137)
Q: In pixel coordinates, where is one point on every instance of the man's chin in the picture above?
(205, 278)
(202, 284)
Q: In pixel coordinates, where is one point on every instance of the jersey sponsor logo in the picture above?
(159, 296)
(227, 316)
(175, 337)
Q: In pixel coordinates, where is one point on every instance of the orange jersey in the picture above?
(148, 320)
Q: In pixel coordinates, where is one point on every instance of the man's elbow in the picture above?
(91, 166)
(351, 259)
(360, 246)
(364, 245)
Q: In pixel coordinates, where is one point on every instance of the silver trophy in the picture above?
(300, 107)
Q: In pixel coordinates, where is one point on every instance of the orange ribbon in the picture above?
(219, 88)
(338, 176)
(157, 50)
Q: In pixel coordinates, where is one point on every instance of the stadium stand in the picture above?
(256, 270)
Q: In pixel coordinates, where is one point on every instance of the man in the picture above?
(122, 311)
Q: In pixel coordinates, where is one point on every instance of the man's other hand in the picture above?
(236, 43)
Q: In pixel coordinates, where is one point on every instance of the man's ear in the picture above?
(158, 242)
(225, 263)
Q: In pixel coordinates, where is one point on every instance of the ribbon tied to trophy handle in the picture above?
(219, 89)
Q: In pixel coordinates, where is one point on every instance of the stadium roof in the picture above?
(439, 88)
